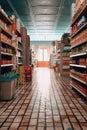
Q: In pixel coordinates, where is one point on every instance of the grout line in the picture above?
(60, 83)
(57, 104)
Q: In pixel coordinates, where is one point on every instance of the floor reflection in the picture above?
(43, 78)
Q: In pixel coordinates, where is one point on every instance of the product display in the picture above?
(8, 74)
(65, 54)
(78, 63)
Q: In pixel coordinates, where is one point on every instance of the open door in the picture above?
(43, 57)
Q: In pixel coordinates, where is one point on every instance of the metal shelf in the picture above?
(79, 43)
(79, 54)
(78, 90)
(5, 18)
(4, 53)
(5, 32)
(8, 44)
(6, 65)
(78, 79)
(80, 66)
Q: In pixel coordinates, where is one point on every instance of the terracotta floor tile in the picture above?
(7, 124)
(45, 104)
(40, 128)
(14, 126)
(84, 125)
(18, 119)
(31, 128)
(58, 128)
(4, 128)
(22, 128)
(50, 128)
(24, 124)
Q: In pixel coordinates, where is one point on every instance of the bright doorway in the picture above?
(43, 56)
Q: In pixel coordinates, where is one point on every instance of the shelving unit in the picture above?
(61, 55)
(56, 56)
(65, 55)
(19, 52)
(8, 75)
(78, 64)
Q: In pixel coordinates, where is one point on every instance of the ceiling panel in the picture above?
(45, 2)
(45, 17)
(41, 17)
(45, 23)
(45, 10)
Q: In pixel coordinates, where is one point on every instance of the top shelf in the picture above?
(5, 18)
(79, 14)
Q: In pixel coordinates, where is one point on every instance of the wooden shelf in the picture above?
(79, 43)
(78, 79)
(4, 53)
(79, 54)
(6, 65)
(78, 90)
(79, 66)
(83, 10)
(5, 18)
(8, 44)
(78, 31)
(5, 32)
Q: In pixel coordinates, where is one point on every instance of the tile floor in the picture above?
(46, 103)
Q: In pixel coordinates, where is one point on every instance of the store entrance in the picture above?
(43, 57)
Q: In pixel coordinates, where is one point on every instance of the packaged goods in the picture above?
(81, 22)
(80, 38)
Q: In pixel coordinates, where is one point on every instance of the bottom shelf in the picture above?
(81, 90)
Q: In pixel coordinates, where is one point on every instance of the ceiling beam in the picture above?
(58, 14)
(32, 17)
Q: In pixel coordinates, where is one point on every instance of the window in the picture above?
(43, 55)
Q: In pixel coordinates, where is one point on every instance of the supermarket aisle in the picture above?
(48, 103)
